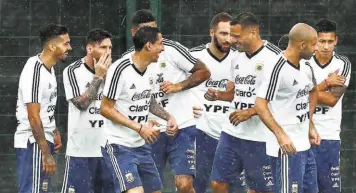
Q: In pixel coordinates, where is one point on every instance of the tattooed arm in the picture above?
(158, 110)
(332, 97)
(200, 73)
(83, 101)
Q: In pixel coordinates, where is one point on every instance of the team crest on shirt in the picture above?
(295, 187)
(129, 177)
(159, 78)
(45, 186)
(71, 190)
(163, 65)
(259, 67)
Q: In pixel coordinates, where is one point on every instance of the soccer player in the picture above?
(36, 103)
(175, 72)
(83, 80)
(248, 134)
(285, 103)
(127, 99)
(332, 73)
(219, 59)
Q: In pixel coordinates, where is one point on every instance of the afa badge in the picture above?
(259, 67)
(129, 177)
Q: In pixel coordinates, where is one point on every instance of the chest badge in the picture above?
(259, 67)
(163, 65)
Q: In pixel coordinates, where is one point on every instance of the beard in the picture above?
(219, 47)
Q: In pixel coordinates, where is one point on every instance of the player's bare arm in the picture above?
(200, 73)
(108, 110)
(83, 101)
(261, 107)
(33, 110)
(57, 141)
(241, 115)
(228, 95)
(314, 136)
(159, 111)
(337, 89)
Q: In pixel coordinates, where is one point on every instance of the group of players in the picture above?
(237, 113)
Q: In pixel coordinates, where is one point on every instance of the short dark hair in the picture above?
(51, 31)
(283, 42)
(245, 19)
(142, 16)
(325, 25)
(97, 35)
(143, 35)
(220, 17)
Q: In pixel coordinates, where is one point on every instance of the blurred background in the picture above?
(185, 21)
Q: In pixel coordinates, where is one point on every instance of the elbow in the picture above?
(333, 103)
(206, 73)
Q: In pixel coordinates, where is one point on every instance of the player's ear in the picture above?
(336, 39)
(89, 48)
(52, 46)
(211, 32)
(133, 31)
(148, 46)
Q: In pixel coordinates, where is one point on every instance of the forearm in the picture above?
(267, 118)
(38, 133)
(313, 100)
(158, 110)
(323, 86)
(326, 98)
(200, 73)
(115, 116)
(226, 95)
(83, 101)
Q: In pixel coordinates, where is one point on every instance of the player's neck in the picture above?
(48, 59)
(323, 59)
(292, 56)
(89, 61)
(141, 60)
(215, 51)
(256, 45)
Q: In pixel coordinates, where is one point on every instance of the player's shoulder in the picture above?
(73, 66)
(127, 52)
(174, 45)
(121, 63)
(198, 48)
(33, 65)
(345, 64)
(271, 48)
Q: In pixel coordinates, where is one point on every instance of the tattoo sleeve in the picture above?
(200, 73)
(158, 110)
(83, 101)
(338, 91)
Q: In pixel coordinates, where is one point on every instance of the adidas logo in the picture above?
(133, 86)
(336, 185)
(270, 183)
(237, 67)
(88, 84)
(295, 82)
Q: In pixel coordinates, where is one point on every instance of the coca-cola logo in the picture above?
(216, 83)
(249, 79)
(303, 92)
(143, 95)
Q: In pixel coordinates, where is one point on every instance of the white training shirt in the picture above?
(37, 85)
(85, 128)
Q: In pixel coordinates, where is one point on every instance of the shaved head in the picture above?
(302, 32)
(303, 38)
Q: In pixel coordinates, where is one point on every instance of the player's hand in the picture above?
(168, 87)
(149, 134)
(172, 127)
(102, 65)
(153, 123)
(57, 141)
(48, 163)
(314, 136)
(335, 80)
(286, 144)
(239, 116)
(197, 111)
(211, 95)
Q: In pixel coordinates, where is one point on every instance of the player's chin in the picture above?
(63, 58)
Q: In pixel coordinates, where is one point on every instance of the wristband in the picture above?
(140, 129)
(327, 84)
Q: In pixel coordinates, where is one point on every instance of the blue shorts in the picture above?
(178, 150)
(296, 173)
(29, 169)
(132, 167)
(205, 148)
(327, 157)
(83, 175)
(234, 155)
